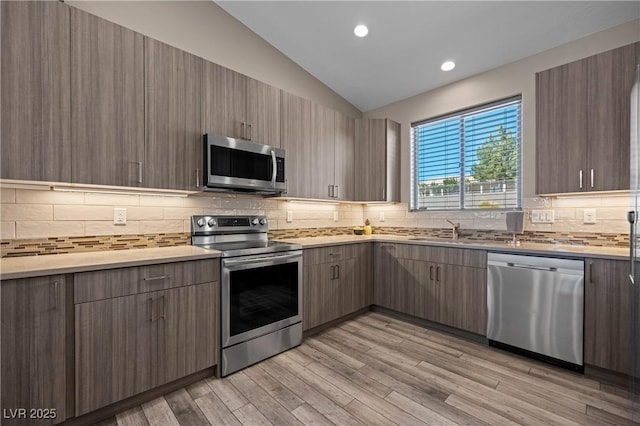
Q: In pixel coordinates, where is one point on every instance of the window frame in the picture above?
(414, 193)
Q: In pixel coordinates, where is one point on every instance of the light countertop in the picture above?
(53, 264)
(616, 253)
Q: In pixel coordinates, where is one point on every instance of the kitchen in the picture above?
(123, 309)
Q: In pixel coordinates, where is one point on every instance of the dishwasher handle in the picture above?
(539, 268)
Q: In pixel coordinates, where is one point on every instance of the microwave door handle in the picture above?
(274, 171)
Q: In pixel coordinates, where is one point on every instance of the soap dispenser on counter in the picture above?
(367, 227)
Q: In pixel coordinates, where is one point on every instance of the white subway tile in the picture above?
(7, 195)
(143, 213)
(162, 226)
(120, 200)
(159, 201)
(65, 212)
(7, 230)
(609, 213)
(181, 213)
(578, 201)
(26, 212)
(95, 228)
(201, 201)
(40, 196)
(46, 229)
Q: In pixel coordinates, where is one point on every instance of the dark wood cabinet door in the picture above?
(116, 342)
(427, 292)
(464, 297)
(263, 113)
(611, 76)
(33, 351)
(362, 289)
(296, 140)
(561, 129)
(607, 315)
(370, 164)
(224, 101)
(344, 156)
(35, 84)
(387, 270)
(173, 137)
(318, 286)
(188, 339)
(107, 102)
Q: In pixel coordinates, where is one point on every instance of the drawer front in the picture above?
(320, 255)
(98, 285)
(444, 255)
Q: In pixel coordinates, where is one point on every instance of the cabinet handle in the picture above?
(250, 127)
(388, 246)
(243, 126)
(161, 277)
(139, 163)
(286, 186)
(338, 271)
(431, 272)
(333, 274)
(164, 301)
(335, 254)
(438, 274)
(592, 178)
(591, 272)
(150, 300)
(580, 179)
(336, 192)
(56, 294)
(197, 178)
(330, 191)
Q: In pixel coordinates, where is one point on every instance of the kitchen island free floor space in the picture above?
(376, 370)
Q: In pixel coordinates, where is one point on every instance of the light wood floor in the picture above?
(375, 370)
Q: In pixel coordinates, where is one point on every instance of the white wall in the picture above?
(206, 30)
(512, 79)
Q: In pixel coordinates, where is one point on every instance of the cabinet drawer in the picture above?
(317, 256)
(445, 255)
(97, 285)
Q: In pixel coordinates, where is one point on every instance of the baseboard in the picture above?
(334, 322)
(610, 377)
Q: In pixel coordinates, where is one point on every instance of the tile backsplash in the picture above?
(41, 220)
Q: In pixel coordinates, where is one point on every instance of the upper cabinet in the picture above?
(240, 107)
(35, 107)
(582, 123)
(377, 160)
(345, 138)
(173, 145)
(296, 141)
(107, 102)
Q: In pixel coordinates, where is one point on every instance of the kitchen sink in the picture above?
(441, 240)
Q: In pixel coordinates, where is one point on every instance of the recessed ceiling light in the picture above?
(448, 66)
(361, 30)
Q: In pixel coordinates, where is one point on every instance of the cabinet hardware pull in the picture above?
(163, 307)
(56, 294)
(388, 246)
(438, 274)
(591, 272)
(592, 178)
(335, 254)
(286, 186)
(333, 274)
(197, 178)
(337, 271)
(150, 300)
(580, 179)
(250, 127)
(431, 272)
(139, 163)
(244, 129)
(336, 193)
(330, 191)
(161, 277)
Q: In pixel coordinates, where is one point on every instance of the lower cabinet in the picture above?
(337, 282)
(443, 285)
(127, 345)
(33, 351)
(607, 315)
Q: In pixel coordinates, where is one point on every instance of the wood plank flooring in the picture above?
(377, 370)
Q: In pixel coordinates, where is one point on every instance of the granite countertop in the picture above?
(35, 266)
(615, 253)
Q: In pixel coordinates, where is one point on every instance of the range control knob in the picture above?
(211, 222)
(200, 222)
(254, 221)
(263, 221)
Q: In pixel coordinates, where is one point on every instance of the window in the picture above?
(468, 160)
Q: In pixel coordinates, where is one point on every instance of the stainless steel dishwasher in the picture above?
(535, 306)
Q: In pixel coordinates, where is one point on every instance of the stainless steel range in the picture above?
(261, 294)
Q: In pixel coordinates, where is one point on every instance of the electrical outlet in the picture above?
(381, 216)
(119, 216)
(589, 216)
(289, 216)
(542, 216)
(335, 216)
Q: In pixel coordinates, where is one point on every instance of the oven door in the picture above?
(260, 294)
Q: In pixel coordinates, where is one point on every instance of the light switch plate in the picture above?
(381, 216)
(119, 216)
(289, 216)
(335, 216)
(589, 216)
(542, 216)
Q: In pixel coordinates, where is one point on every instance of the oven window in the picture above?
(261, 296)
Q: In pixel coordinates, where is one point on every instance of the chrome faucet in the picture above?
(455, 230)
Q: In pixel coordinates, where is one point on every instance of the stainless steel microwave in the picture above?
(239, 165)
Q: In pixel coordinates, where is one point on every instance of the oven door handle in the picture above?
(244, 261)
